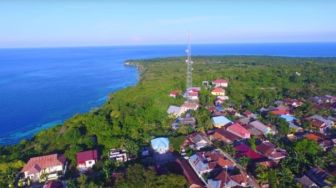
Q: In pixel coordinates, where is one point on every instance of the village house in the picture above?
(270, 151)
(248, 114)
(174, 93)
(323, 142)
(204, 162)
(226, 180)
(253, 131)
(119, 155)
(306, 182)
(292, 122)
(261, 127)
(86, 159)
(245, 150)
(173, 111)
(293, 102)
(196, 141)
(220, 83)
(326, 102)
(225, 136)
(188, 105)
(320, 177)
(42, 168)
(244, 121)
(218, 91)
(193, 180)
(192, 93)
(238, 130)
(187, 120)
(220, 121)
(313, 137)
(320, 123)
(280, 110)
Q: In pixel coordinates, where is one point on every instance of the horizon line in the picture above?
(164, 44)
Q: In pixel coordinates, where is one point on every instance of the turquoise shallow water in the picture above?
(40, 88)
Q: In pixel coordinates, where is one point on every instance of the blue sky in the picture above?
(33, 23)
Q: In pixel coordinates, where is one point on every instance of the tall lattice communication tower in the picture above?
(189, 66)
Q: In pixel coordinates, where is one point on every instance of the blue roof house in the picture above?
(220, 121)
(160, 145)
(288, 118)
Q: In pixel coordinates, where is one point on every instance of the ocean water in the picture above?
(42, 87)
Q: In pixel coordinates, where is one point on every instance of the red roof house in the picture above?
(86, 159)
(238, 130)
(270, 151)
(225, 136)
(174, 93)
(244, 150)
(220, 83)
(54, 164)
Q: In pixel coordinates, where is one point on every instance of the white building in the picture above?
(119, 155)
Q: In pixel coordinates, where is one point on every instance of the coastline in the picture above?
(140, 73)
(18, 136)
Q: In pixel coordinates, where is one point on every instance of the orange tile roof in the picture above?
(312, 136)
(218, 90)
(36, 164)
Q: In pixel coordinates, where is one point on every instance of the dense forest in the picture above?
(133, 116)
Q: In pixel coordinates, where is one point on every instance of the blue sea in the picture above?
(42, 87)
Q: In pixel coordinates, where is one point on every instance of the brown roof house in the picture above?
(320, 123)
(225, 136)
(196, 141)
(43, 168)
(270, 151)
(226, 180)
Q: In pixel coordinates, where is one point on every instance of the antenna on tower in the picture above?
(189, 65)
